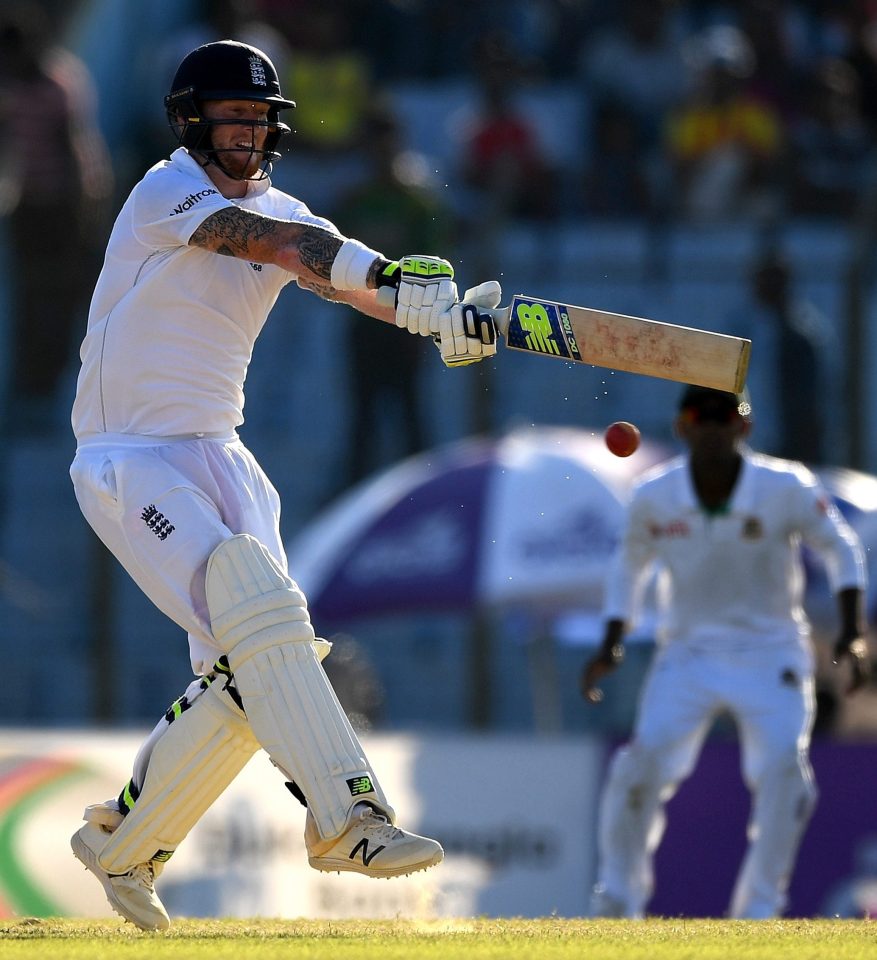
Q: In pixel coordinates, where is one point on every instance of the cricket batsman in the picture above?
(197, 258)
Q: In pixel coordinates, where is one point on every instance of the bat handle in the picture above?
(387, 298)
(501, 317)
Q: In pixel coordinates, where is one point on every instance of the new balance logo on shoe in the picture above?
(370, 833)
(366, 856)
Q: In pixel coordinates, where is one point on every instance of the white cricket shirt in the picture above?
(171, 327)
(734, 578)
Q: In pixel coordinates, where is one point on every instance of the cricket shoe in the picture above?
(604, 904)
(132, 894)
(371, 845)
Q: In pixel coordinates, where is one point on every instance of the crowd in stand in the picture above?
(694, 109)
(690, 109)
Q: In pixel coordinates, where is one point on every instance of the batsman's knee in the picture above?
(253, 604)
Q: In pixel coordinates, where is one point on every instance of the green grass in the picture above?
(552, 939)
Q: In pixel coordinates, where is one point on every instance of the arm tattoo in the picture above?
(324, 290)
(318, 249)
(232, 231)
(240, 233)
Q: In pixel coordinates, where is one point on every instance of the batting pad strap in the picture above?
(351, 265)
(195, 759)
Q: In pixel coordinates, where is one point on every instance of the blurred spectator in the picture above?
(832, 153)
(724, 143)
(616, 182)
(862, 56)
(766, 26)
(395, 203)
(55, 181)
(327, 75)
(633, 73)
(636, 67)
(503, 160)
(793, 367)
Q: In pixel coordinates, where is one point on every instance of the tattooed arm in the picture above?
(301, 248)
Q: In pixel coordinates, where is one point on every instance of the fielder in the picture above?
(724, 527)
(196, 259)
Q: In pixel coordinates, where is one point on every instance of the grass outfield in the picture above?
(552, 939)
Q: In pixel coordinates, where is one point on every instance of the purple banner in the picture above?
(698, 860)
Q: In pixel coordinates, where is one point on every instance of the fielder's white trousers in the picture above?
(769, 691)
(162, 507)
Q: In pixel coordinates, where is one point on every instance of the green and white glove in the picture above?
(466, 333)
(426, 290)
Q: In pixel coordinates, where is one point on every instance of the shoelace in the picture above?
(381, 825)
(143, 876)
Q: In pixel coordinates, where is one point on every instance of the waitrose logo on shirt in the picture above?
(191, 200)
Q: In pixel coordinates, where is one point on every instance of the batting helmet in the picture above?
(224, 70)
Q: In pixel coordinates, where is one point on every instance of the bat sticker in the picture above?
(542, 327)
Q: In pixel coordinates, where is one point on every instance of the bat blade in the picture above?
(619, 342)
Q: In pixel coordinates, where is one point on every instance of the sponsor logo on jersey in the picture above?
(257, 71)
(675, 528)
(752, 528)
(191, 200)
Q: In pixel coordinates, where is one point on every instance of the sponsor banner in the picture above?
(705, 841)
(514, 814)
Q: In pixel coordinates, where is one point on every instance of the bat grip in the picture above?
(387, 298)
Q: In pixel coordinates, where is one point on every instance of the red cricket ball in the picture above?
(622, 438)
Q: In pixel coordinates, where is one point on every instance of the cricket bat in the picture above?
(619, 342)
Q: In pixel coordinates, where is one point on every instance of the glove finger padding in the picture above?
(465, 336)
(426, 290)
(486, 295)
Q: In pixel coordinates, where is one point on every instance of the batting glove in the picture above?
(426, 290)
(466, 334)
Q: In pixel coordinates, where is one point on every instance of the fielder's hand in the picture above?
(600, 665)
(426, 290)
(855, 650)
(466, 335)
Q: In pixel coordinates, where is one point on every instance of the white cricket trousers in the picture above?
(163, 506)
(769, 691)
